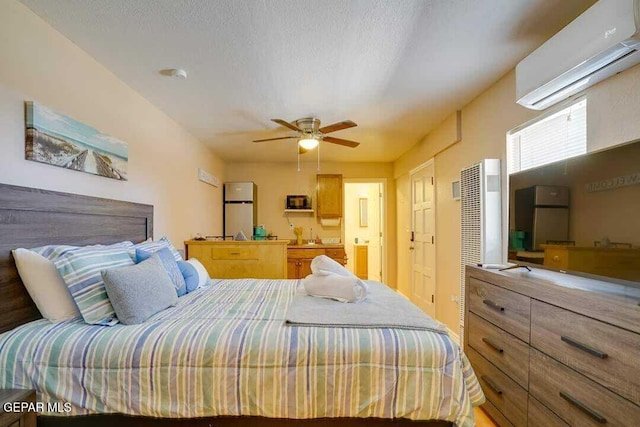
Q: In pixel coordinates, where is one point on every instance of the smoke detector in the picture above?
(176, 73)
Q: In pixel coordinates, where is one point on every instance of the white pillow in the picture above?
(45, 286)
(203, 274)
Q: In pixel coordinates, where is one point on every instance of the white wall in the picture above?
(39, 64)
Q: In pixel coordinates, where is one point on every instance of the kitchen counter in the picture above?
(235, 242)
(316, 246)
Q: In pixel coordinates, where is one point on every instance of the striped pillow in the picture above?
(152, 247)
(52, 252)
(81, 269)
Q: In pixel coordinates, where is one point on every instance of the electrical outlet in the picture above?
(455, 298)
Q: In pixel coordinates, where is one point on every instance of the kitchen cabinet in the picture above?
(299, 258)
(361, 261)
(298, 268)
(329, 203)
(229, 259)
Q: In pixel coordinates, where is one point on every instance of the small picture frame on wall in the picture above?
(364, 211)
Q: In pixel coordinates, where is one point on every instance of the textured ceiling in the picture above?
(395, 67)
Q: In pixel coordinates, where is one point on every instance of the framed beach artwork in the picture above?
(59, 140)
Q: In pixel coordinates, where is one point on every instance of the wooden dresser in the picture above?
(299, 258)
(228, 259)
(554, 350)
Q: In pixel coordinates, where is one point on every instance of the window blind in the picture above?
(558, 136)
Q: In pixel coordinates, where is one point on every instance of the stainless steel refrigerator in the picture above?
(542, 212)
(240, 208)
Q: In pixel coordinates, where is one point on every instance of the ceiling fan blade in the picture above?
(274, 139)
(287, 124)
(341, 141)
(338, 126)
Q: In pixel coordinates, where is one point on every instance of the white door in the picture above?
(423, 258)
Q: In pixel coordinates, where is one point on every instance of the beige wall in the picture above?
(612, 115)
(276, 180)
(39, 64)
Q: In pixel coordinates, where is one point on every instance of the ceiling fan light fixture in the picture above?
(308, 143)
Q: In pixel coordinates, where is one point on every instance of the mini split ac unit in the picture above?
(601, 42)
(481, 220)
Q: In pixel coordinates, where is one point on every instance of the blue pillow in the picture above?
(194, 274)
(170, 264)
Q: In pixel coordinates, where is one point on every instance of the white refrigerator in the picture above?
(240, 208)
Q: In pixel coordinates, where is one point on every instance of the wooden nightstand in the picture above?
(17, 419)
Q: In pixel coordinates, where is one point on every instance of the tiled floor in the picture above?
(482, 419)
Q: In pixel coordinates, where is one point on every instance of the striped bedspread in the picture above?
(225, 350)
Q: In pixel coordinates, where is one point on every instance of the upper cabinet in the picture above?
(329, 196)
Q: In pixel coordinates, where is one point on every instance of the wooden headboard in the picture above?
(31, 217)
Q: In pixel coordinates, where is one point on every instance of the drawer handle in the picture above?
(556, 258)
(493, 305)
(584, 408)
(493, 386)
(584, 348)
(235, 253)
(493, 345)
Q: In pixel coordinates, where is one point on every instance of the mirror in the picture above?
(364, 212)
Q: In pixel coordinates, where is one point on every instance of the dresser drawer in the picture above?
(541, 416)
(234, 252)
(304, 253)
(508, 310)
(337, 254)
(507, 352)
(607, 354)
(576, 399)
(504, 393)
(495, 415)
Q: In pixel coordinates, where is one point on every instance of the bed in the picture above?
(224, 350)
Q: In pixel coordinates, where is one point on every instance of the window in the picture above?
(551, 138)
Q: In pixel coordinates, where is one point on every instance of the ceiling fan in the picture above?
(310, 133)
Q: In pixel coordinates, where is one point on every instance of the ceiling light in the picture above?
(308, 143)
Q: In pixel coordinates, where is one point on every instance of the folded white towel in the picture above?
(324, 265)
(331, 280)
(335, 286)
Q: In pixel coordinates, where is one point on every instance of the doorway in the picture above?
(364, 215)
(423, 252)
